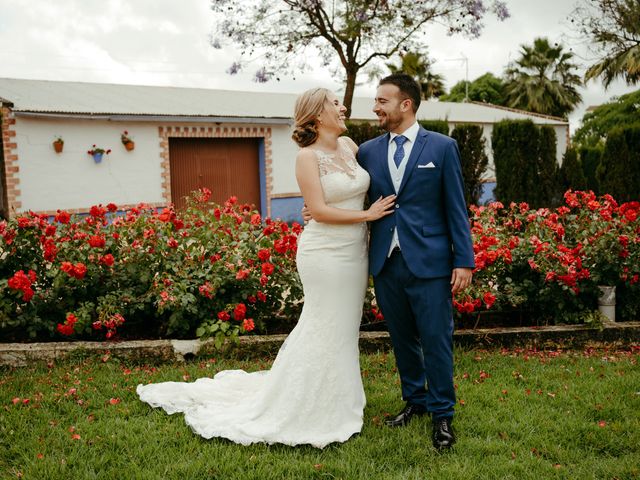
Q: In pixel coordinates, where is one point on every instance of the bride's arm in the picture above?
(308, 177)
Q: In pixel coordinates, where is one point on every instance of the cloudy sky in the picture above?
(167, 42)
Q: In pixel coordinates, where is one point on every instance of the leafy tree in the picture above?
(614, 27)
(597, 124)
(348, 35)
(473, 159)
(419, 67)
(487, 88)
(543, 80)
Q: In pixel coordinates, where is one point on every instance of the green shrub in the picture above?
(571, 173)
(473, 158)
(524, 156)
(440, 126)
(590, 159)
(360, 132)
(619, 169)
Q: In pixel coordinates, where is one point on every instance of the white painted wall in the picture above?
(284, 151)
(71, 179)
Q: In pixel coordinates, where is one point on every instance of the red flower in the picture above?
(96, 241)
(65, 329)
(21, 281)
(264, 254)
(489, 299)
(248, 324)
(240, 312)
(256, 219)
(280, 246)
(216, 213)
(268, 268)
(261, 296)
(172, 243)
(24, 222)
(205, 194)
(97, 211)
(224, 316)
(242, 274)
(62, 217)
(79, 270)
(112, 207)
(107, 260)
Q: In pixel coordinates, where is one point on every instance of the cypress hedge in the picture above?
(440, 126)
(571, 173)
(473, 158)
(524, 156)
(590, 159)
(619, 171)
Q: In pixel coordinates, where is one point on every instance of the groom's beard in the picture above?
(390, 121)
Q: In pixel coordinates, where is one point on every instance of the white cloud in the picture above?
(166, 42)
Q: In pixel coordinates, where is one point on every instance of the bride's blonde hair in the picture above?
(309, 105)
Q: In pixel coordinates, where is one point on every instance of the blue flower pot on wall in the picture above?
(97, 157)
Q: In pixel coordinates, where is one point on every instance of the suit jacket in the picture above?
(430, 211)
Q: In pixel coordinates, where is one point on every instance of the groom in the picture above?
(420, 255)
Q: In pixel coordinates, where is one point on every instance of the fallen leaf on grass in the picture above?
(75, 436)
(114, 401)
(602, 424)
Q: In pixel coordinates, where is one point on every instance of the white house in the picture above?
(234, 143)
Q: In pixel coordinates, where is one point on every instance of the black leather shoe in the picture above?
(405, 416)
(443, 436)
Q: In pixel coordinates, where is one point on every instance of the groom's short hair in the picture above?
(407, 85)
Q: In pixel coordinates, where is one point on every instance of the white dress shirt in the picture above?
(397, 172)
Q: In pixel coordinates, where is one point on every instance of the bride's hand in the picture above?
(381, 208)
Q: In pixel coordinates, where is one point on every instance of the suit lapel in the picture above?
(416, 151)
(382, 161)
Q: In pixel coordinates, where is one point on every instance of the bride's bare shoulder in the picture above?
(351, 144)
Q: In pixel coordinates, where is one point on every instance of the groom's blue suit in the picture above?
(413, 287)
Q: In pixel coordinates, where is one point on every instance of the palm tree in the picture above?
(613, 27)
(419, 67)
(543, 80)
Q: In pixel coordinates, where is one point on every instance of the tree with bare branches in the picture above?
(347, 35)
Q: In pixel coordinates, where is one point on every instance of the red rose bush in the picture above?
(223, 270)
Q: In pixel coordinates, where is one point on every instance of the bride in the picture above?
(313, 392)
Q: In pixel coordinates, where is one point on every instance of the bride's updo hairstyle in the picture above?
(308, 106)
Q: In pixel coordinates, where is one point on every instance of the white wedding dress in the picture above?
(313, 393)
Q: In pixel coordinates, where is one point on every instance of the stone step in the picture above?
(565, 336)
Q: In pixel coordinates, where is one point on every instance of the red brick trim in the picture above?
(77, 211)
(168, 131)
(10, 176)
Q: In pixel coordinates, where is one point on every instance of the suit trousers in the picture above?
(419, 317)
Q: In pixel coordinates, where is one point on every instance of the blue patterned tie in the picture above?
(399, 155)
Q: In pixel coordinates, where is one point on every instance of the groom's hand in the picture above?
(460, 279)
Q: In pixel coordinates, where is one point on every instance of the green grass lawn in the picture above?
(521, 415)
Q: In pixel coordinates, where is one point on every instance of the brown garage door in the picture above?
(226, 166)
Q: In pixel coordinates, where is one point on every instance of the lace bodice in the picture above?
(344, 182)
